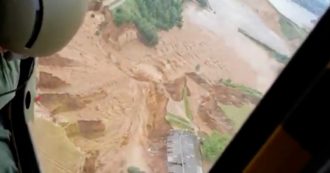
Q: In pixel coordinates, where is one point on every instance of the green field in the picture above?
(237, 114)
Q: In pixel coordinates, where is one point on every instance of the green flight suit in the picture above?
(9, 76)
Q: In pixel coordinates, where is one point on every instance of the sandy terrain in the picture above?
(112, 102)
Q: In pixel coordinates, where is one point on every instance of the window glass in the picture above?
(161, 86)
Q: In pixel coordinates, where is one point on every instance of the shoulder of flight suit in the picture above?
(9, 77)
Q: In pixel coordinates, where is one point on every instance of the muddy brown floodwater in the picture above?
(109, 81)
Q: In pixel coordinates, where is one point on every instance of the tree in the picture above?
(150, 16)
(147, 32)
(121, 17)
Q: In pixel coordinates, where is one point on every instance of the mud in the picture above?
(114, 104)
(90, 164)
(175, 88)
(57, 61)
(48, 81)
(57, 103)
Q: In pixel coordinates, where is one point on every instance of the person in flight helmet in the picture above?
(30, 28)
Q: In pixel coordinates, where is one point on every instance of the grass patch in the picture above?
(149, 16)
(213, 145)
(178, 122)
(237, 114)
(290, 30)
(186, 104)
(133, 169)
(244, 89)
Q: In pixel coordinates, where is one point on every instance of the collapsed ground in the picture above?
(113, 99)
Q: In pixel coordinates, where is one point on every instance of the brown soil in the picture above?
(90, 162)
(48, 81)
(128, 89)
(157, 130)
(175, 88)
(210, 95)
(211, 113)
(228, 96)
(91, 128)
(56, 60)
(57, 103)
(199, 80)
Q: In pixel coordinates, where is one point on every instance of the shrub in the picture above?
(133, 169)
(120, 16)
(213, 145)
(148, 33)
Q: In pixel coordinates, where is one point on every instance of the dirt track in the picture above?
(126, 90)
